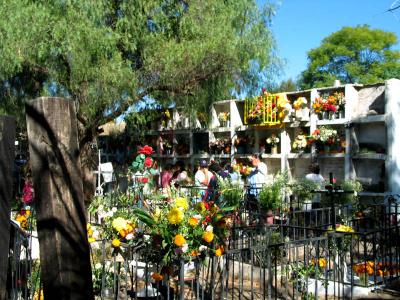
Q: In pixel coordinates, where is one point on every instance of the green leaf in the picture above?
(144, 217)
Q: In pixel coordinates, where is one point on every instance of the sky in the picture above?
(300, 25)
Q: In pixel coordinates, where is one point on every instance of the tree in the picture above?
(108, 55)
(352, 55)
(284, 86)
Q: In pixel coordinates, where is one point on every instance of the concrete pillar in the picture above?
(7, 138)
(57, 180)
(392, 97)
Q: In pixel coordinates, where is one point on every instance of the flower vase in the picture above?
(341, 114)
(325, 115)
(332, 115)
(305, 114)
(320, 116)
(298, 114)
(274, 149)
(223, 123)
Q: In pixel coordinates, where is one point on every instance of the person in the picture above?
(234, 176)
(180, 176)
(203, 175)
(166, 176)
(257, 177)
(212, 193)
(316, 177)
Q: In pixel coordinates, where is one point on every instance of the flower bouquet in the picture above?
(223, 118)
(324, 138)
(302, 112)
(273, 141)
(300, 143)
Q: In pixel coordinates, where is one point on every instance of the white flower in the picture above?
(209, 228)
(129, 236)
(146, 237)
(100, 208)
(185, 248)
(97, 266)
(198, 217)
(95, 245)
(202, 248)
(114, 209)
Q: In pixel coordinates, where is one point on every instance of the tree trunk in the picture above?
(7, 138)
(57, 180)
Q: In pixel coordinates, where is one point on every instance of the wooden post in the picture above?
(61, 217)
(7, 138)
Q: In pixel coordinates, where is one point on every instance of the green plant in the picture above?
(303, 189)
(271, 194)
(351, 185)
(231, 192)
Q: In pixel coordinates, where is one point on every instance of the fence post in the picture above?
(57, 180)
(7, 138)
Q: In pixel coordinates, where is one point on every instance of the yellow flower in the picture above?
(182, 203)
(157, 276)
(157, 214)
(88, 226)
(90, 232)
(91, 240)
(194, 253)
(219, 251)
(129, 227)
(179, 240)
(122, 233)
(193, 221)
(200, 207)
(344, 228)
(119, 223)
(175, 215)
(116, 243)
(208, 236)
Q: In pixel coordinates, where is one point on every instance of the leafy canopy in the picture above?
(108, 55)
(352, 55)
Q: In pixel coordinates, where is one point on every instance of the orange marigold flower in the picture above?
(208, 236)
(194, 253)
(219, 251)
(157, 276)
(179, 240)
(193, 221)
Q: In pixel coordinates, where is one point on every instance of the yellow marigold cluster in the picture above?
(175, 216)
(123, 226)
(116, 243)
(321, 262)
(22, 218)
(181, 202)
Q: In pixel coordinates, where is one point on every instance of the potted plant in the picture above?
(271, 194)
(303, 189)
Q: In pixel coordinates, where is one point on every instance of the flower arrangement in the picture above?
(223, 116)
(273, 140)
(22, 217)
(243, 169)
(220, 146)
(325, 135)
(268, 108)
(329, 103)
(300, 142)
(301, 102)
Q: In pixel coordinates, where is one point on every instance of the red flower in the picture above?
(146, 150)
(143, 180)
(148, 162)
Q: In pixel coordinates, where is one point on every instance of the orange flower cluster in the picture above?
(365, 267)
(382, 269)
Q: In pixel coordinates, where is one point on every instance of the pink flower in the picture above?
(27, 193)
